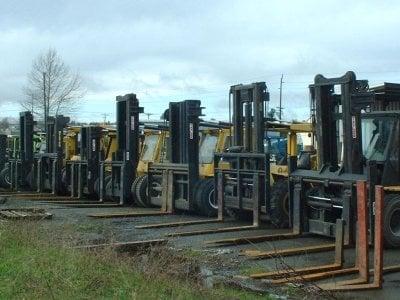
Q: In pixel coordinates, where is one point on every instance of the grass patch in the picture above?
(35, 265)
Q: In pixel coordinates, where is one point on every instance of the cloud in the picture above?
(176, 50)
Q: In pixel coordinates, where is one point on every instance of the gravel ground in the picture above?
(232, 263)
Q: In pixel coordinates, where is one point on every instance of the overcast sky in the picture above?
(175, 50)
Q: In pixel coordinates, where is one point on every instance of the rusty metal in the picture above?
(177, 224)
(91, 205)
(35, 195)
(337, 264)
(252, 239)
(68, 202)
(332, 274)
(221, 201)
(295, 273)
(256, 254)
(211, 231)
(134, 214)
(362, 282)
(361, 266)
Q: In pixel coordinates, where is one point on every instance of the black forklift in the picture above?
(117, 176)
(358, 138)
(20, 167)
(242, 180)
(48, 165)
(82, 176)
(172, 185)
(4, 156)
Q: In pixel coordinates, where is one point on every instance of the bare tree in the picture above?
(52, 87)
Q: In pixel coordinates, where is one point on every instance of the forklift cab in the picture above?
(381, 144)
(357, 136)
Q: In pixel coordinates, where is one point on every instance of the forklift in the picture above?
(83, 173)
(4, 155)
(172, 185)
(48, 165)
(153, 149)
(20, 167)
(213, 137)
(242, 181)
(117, 175)
(357, 134)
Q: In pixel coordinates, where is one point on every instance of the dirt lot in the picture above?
(232, 266)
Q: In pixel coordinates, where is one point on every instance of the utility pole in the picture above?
(148, 115)
(280, 99)
(44, 101)
(105, 115)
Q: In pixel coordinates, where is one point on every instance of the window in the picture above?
(207, 149)
(150, 144)
(376, 134)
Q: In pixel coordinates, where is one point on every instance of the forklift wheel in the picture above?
(107, 187)
(5, 178)
(204, 195)
(141, 191)
(280, 204)
(391, 217)
(96, 187)
(137, 192)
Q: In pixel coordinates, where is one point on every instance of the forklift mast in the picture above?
(241, 179)
(21, 166)
(345, 107)
(3, 150)
(26, 124)
(184, 133)
(128, 137)
(179, 176)
(249, 107)
(85, 171)
(54, 133)
(125, 160)
(319, 198)
(48, 165)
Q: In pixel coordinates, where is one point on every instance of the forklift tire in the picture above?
(65, 180)
(29, 178)
(391, 221)
(96, 187)
(107, 187)
(204, 195)
(279, 204)
(137, 200)
(5, 181)
(141, 191)
(133, 194)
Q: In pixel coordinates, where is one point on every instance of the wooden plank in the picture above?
(177, 224)
(7, 214)
(25, 214)
(20, 214)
